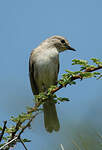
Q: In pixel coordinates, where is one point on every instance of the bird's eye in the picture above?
(62, 41)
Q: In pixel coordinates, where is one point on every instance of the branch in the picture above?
(6, 144)
(3, 130)
(72, 78)
(76, 77)
(15, 138)
(62, 148)
(23, 144)
(27, 125)
(16, 131)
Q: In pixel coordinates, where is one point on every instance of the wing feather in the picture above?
(31, 76)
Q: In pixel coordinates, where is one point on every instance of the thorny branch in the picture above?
(16, 129)
(76, 77)
(23, 144)
(12, 141)
(14, 136)
(61, 86)
(3, 130)
(27, 125)
(6, 144)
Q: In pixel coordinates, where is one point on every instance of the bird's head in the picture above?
(59, 42)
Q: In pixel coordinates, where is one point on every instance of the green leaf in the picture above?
(42, 96)
(62, 99)
(28, 108)
(14, 119)
(1, 145)
(99, 77)
(87, 75)
(10, 130)
(79, 62)
(26, 140)
(5, 138)
(1, 128)
(49, 92)
(72, 82)
(22, 117)
(97, 61)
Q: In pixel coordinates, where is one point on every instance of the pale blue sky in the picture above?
(23, 25)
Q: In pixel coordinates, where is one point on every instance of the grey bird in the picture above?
(43, 72)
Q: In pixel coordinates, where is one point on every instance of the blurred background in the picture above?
(23, 25)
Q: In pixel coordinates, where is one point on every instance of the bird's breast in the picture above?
(46, 68)
(47, 58)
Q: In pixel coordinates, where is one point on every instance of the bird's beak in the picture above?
(70, 48)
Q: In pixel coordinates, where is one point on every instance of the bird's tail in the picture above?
(50, 117)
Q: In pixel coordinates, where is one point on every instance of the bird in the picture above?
(43, 72)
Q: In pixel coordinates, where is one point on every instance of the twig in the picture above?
(27, 125)
(16, 129)
(93, 69)
(17, 137)
(11, 141)
(98, 134)
(35, 108)
(23, 143)
(3, 130)
(77, 77)
(62, 148)
(76, 145)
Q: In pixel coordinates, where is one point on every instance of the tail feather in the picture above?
(50, 117)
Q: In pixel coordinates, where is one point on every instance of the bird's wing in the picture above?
(56, 75)
(58, 66)
(31, 75)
